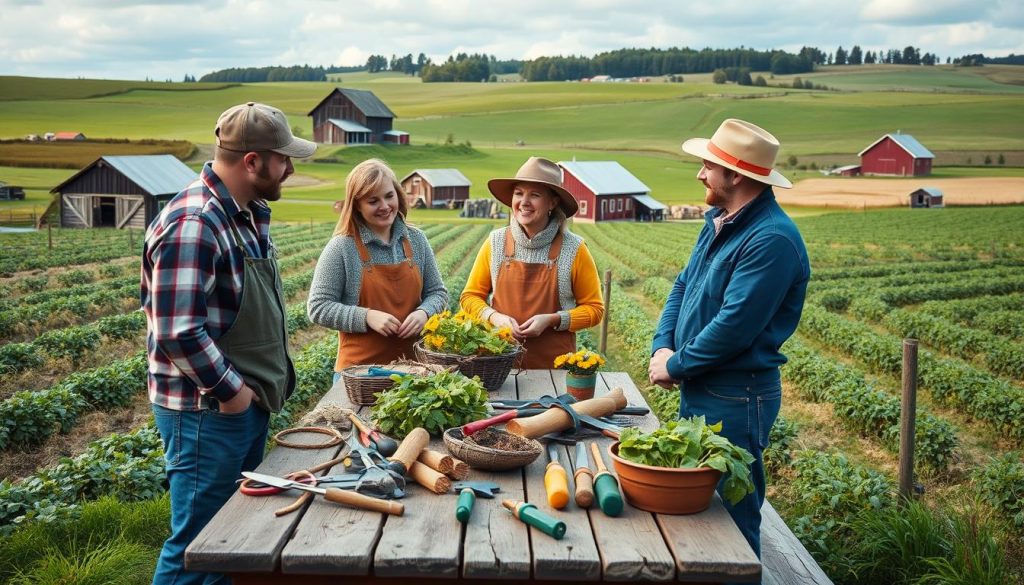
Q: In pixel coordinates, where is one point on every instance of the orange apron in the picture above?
(525, 289)
(392, 288)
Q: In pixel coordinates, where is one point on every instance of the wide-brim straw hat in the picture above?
(535, 170)
(743, 147)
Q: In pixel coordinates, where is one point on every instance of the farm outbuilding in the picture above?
(436, 188)
(926, 197)
(896, 154)
(354, 116)
(607, 191)
(68, 136)
(120, 191)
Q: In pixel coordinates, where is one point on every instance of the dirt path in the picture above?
(870, 192)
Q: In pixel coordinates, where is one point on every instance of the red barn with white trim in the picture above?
(896, 154)
(606, 191)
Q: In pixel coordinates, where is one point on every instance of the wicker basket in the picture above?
(492, 369)
(518, 451)
(362, 389)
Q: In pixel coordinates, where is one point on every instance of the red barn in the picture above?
(354, 116)
(896, 154)
(607, 191)
(436, 188)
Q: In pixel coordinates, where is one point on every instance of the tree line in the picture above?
(260, 74)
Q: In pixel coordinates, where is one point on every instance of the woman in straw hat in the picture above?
(539, 277)
(377, 281)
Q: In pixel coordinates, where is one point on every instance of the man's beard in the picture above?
(267, 188)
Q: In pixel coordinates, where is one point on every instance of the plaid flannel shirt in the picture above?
(192, 274)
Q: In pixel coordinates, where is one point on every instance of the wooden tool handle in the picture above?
(357, 500)
(437, 461)
(411, 447)
(430, 479)
(556, 419)
(470, 428)
(556, 485)
(358, 422)
(598, 460)
(584, 487)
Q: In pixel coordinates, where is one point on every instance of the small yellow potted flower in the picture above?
(581, 372)
(473, 345)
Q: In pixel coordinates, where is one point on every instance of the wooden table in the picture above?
(329, 543)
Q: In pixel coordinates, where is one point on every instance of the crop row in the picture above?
(866, 410)
(998, 354)
(900, 268)
(1001, 315)
(977, 272)
(840, 299)
(130, 466)
(29, 417)
(983, 396)
(636, 259)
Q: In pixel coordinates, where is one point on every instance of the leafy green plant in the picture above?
(1001, 485)
(74, 277)
(691, 443)
(111, 563)
(17, 357)
(435, 402)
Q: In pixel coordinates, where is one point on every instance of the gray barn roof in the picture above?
(368, 103)
(906, 142)
(441, 177)
(933, 191)
(348, 125)
(650, 202)
(605, 177)
(156, 174)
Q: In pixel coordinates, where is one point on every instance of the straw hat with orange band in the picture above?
(743, 147)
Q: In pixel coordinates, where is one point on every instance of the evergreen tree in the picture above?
(840, 56)
(855, 56)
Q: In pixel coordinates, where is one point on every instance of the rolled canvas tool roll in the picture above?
(556, 419)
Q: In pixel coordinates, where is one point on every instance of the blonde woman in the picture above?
(535, 276)
(377, 281)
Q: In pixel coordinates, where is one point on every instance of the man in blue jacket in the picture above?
(736, 301)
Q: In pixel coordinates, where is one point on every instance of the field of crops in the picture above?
(71, 341)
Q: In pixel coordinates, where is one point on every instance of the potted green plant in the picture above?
(675, 468)
(471, 344)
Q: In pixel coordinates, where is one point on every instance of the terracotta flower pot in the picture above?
(665, 490)
(581, 386)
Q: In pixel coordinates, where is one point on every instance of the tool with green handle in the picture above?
(529, 514)
(606, 487)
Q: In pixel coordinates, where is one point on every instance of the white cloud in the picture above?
(169, 38)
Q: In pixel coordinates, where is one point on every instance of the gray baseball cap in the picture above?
(253, 127)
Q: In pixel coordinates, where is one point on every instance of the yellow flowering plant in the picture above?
(464, 334)
(582, 363)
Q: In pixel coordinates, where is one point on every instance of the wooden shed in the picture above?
(353, 116)
(926, 197)
(607, 191)
(436, 188)
(120, 191)
(69, 136)
(896, 154)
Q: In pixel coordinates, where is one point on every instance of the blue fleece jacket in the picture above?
(738, 298)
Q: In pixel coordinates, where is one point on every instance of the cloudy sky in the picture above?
(167, 39)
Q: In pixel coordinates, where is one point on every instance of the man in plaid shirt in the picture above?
(218, 359)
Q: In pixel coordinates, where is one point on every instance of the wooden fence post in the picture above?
(49, 235)
(603, 344)
(908, 414)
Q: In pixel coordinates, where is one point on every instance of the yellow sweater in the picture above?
(586, 288)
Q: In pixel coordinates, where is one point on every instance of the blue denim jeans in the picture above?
(205, 451)
(747, 412)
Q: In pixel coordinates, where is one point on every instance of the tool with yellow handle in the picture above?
(556, 480)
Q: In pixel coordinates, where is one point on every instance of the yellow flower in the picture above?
(505, 333)
(560, 361)
(432, 323)
(574, 358)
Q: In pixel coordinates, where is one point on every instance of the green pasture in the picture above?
(941, 78)
(560, 115)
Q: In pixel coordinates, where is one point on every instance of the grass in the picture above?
(75, 155)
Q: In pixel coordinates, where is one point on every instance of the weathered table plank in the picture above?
(785, 560)
(496, 545)
(332, 538)
(575, 557)
(632, 548)
(245, 535)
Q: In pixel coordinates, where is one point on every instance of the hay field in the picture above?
(857, 193)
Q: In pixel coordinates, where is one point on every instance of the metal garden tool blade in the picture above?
(374, 474)
(282, 483)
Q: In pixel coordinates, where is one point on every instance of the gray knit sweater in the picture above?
(334, 293)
